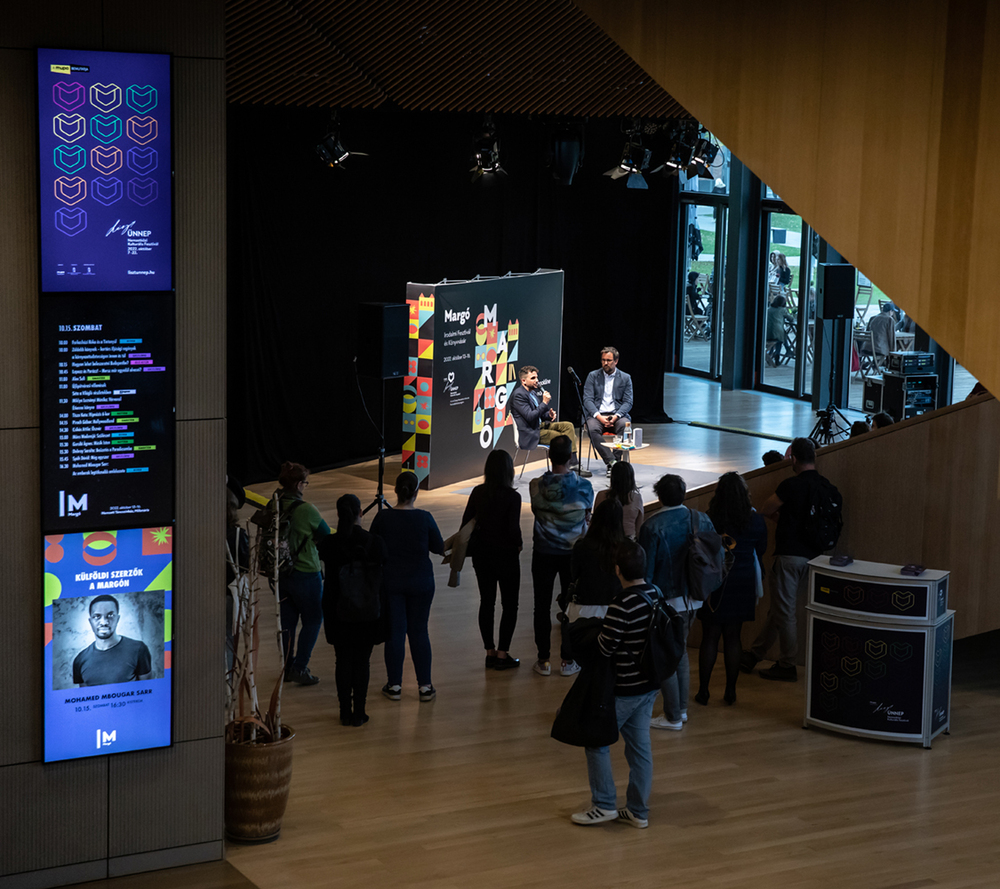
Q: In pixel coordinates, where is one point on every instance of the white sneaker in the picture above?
(627, 816)
(684, 716)
(663, 722)
(569, 668)
(594, 815)
(542, 668)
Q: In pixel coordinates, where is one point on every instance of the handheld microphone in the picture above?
(572, 373)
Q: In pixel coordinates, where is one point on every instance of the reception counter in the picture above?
(879, 646)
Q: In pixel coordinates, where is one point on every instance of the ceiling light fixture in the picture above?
(331, 149)
(634, 159)
(486, 154)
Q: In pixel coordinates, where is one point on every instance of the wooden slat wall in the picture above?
(922, 491)
(80, 820)
(542, 57)
(878, 123)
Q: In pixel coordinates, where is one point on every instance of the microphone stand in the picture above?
(580, 414)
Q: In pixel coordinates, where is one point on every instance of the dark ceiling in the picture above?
(540, 57)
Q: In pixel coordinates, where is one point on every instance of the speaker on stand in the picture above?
(383, 334)
(834, 302)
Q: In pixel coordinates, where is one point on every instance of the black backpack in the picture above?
(706, 561)
(666, 639)
(360, 595)
(274, 549)
(824, 514)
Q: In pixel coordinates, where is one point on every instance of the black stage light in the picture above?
(331, 149)
(704, 156)
(633, 161)
(486, 154)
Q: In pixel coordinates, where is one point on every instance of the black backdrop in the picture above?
(308, 243)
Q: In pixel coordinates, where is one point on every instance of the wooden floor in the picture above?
(470, 790)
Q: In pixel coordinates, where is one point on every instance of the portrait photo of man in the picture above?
(111, 658)
(107, 639)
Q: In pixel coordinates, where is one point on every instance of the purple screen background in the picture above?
(105, 172)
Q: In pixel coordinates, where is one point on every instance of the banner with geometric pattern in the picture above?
(467, 340)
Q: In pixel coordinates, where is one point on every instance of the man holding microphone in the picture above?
(536, 421)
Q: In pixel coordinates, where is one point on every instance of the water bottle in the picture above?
(627, 434)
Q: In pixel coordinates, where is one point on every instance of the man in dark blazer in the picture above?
(607, 400)
(529, 406)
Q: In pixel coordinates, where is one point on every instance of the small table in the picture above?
(625, 451)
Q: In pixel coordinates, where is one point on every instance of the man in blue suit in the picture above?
(535, 419)
(607, 400)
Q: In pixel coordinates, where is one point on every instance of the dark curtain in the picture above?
(308, 243)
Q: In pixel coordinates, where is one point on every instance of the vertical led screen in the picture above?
(104, 171)
(107, 410)
(107, 610)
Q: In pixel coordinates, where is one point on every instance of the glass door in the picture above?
(701, 287)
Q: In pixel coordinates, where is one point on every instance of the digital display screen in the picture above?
(108, 618)
(107, 410)
(104, 171)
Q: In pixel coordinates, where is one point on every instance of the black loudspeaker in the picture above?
(383, 339)
(835, 290)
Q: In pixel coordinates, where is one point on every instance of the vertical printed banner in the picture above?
(467, 341)
(108, 629)
(105, 171)
(418, 384)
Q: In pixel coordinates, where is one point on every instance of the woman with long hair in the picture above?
(724, 612)
(411, 535)
(496, 546)
(592, 564)
(302, 590)
(623, 489)
(352, 641)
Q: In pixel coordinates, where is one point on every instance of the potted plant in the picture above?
(258, 745)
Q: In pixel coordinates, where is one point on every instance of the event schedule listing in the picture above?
(104, 137)
(102, 432)
(107, 410)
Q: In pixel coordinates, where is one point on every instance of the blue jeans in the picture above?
(408, 616)
(675, 688)
(301, 597)
(634, 713)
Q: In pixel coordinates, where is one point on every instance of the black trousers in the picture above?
(353, 670)
(495, 568)
(545, 567)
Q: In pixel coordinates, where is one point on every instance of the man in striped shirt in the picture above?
(626, 628)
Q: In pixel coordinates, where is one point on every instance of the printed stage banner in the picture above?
(467, 341)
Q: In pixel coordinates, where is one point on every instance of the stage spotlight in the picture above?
(331, 149)
(704, 156)
(633, 161)
(566, 151)
(486, 154)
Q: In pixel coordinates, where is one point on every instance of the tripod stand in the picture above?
(379, 500)
(830, 426)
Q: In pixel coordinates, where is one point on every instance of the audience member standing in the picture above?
(561, 501)
(622, 488)
(352, 641)
(302, 590)
(626, 629)
(793, 548)
(595, 582)
(724, 612)
(496, 547)
(410, 534)
(664, 537)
